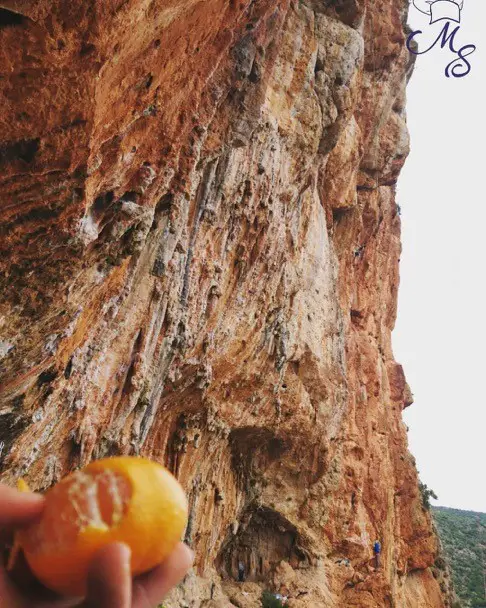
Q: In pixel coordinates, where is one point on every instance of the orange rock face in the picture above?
(199, 263)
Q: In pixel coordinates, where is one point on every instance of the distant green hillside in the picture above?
(463, 535)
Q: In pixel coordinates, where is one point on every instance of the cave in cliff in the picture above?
(199, 263)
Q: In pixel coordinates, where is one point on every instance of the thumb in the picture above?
(110, 579)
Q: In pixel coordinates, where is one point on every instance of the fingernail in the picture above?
(34, 497)
(128, 557)
(127, 550)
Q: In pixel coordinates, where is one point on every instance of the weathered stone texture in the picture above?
(199, 263)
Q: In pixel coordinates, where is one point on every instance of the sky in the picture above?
(440, 335)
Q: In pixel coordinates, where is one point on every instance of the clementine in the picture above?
(122, 499)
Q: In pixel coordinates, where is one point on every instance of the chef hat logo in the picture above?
(440, 9)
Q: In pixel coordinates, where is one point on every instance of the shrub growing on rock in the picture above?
(270, 600)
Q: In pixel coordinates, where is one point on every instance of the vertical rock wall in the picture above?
(199, 263)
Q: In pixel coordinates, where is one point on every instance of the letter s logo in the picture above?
(460, 67)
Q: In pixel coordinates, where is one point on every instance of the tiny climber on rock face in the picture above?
(241, 572)
(377, 551)
(110, 584)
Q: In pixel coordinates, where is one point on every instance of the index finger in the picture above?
(18, 507)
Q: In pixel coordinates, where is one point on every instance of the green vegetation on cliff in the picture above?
(463, 535)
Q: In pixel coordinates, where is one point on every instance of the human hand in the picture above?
(110, 584)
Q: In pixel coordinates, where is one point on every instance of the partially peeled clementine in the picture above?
(122, 499)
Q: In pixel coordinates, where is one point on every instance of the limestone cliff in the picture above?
(199, 263)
